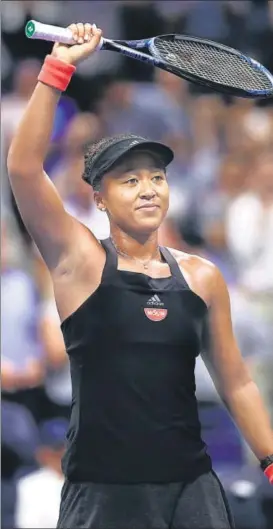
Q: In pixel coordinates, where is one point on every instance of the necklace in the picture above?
(145, 264)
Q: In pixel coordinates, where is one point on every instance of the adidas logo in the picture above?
(155, 301)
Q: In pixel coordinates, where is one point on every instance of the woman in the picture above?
(132, 315)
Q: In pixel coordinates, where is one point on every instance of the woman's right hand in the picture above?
(87, 38)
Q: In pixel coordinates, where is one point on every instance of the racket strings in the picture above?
(211, 63)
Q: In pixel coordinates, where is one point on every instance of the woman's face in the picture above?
(135, 194)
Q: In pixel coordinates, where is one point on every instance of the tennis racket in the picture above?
(200, 61)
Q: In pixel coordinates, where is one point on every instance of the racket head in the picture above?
(213, 65)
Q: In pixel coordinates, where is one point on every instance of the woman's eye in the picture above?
(131, 181)
(158, 177)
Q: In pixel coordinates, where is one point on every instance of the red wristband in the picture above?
(269, 473)
(56, 73)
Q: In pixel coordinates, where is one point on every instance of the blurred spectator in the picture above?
(106, 16)
(207, 116)
(83, 128)
(19, 441)
(207, 20)
(77, 194)
(169, 234)
(81, 205)
(139, 20)
(250, 229)
(14, 13)
(168, 95)
(57, 382)
(14, 104)
(39, 492)
(22, 366)
(250, 238)
(212, 209)
(230, 182)
(21, 371)
(122, 112)
(248, 129)
(183, 233)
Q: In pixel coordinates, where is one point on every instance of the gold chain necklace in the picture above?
(145, 264)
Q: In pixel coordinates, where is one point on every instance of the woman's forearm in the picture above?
(248, 411)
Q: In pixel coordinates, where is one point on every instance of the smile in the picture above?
(149, 207)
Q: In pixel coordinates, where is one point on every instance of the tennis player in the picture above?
(132, 318)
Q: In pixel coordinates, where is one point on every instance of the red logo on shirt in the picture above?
(156, 314)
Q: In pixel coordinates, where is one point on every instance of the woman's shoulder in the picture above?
(199, 273)
(193, 261)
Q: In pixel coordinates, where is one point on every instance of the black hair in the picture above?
(94, 150)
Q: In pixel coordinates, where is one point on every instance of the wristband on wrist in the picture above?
(56, 73)
(267, 467)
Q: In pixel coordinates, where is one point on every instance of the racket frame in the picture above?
(154, 58)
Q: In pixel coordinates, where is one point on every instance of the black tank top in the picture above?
(132, 347)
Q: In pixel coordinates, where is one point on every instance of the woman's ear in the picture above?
(99, 201)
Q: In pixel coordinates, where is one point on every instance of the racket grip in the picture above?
(38, 30)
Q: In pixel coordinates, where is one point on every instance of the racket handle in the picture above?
(38, 30)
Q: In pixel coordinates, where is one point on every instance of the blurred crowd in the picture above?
(221, 207)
